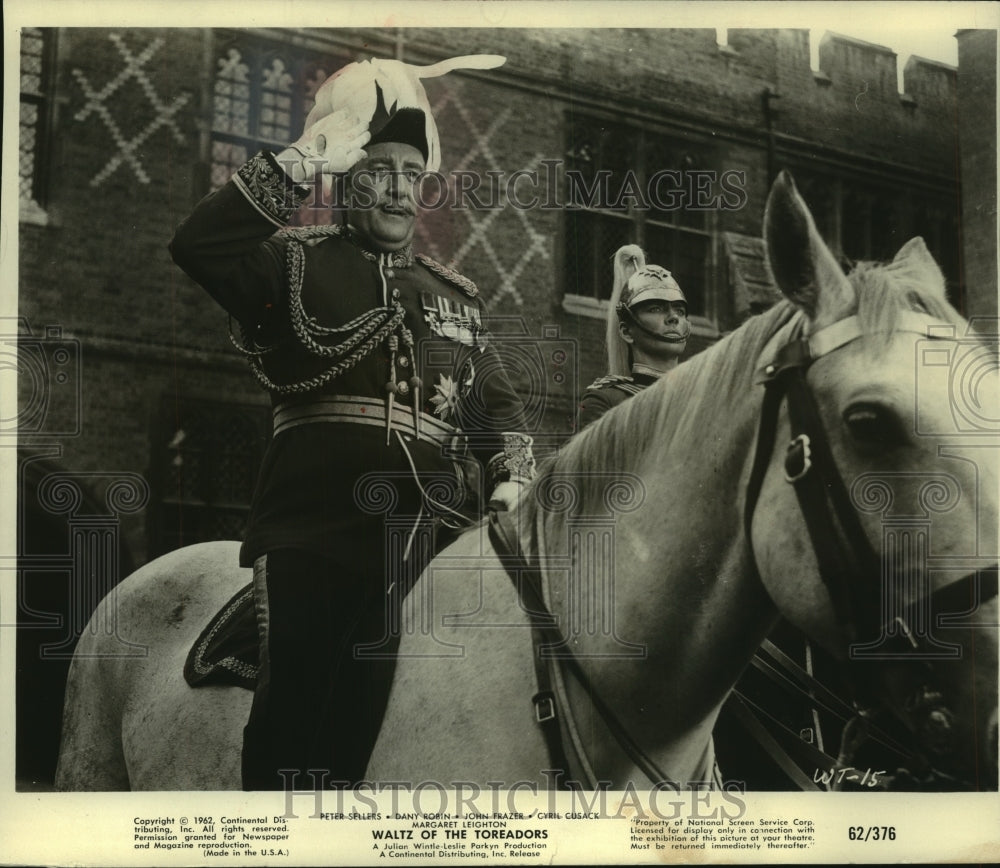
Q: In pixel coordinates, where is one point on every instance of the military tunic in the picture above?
(328, 324)
(288, 291)
(607, 392)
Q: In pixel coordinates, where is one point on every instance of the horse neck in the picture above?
(661, 603)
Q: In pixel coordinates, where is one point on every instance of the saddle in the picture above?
(227, 652)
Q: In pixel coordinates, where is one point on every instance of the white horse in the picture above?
(664, 546)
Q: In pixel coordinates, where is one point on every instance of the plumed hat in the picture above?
(388, 94)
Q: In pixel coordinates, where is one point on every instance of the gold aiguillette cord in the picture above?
(390, 387)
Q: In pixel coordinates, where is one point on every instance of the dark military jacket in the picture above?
(607, 392)
(325, 317)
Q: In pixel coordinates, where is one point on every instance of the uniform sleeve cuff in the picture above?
(515, 464)
(266, 186)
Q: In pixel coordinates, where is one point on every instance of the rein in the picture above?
(527, 579)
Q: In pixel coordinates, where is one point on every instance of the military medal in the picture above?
(452, 320)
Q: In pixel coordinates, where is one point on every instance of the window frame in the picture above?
(172, 412)
(703, 323)
(258, 51)
(33, 209)
(916, 209)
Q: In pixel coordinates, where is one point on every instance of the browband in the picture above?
(844, 331)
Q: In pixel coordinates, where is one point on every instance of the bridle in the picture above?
(848, 564)
(851, 571)
(850, 568)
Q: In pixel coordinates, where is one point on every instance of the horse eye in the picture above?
(874, 425)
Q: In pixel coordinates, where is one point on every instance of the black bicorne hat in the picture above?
(392, 124)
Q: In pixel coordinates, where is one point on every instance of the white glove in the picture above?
(329, 147)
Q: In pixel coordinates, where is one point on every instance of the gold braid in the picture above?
(366, 331)
(394, 319)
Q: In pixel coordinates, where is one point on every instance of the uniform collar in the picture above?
(645, 371)
(402, 258)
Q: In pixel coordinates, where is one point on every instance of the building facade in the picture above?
(130, 393)
(977, 114)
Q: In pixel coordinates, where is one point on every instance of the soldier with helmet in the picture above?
(384, 384)
(647, 331)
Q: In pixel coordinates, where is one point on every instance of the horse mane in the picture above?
(883, 290)
(675, 406)
(672, 407)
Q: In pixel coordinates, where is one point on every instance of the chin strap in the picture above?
(625, 314)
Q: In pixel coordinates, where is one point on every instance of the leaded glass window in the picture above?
(208, 453)
(865, 220)
(35, 72)
(627, 185)
(261, 95)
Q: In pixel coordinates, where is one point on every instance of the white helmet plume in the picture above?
(375, 89)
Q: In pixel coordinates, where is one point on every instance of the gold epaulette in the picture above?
(449, 274)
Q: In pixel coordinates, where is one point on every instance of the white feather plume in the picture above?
(352, 89)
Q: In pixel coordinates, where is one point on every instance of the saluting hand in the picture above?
(329, 147)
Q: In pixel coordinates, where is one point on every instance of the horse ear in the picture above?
(915, 255)
(802, 265)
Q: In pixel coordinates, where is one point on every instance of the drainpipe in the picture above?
(767, 98)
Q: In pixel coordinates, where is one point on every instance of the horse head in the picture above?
(879, 539)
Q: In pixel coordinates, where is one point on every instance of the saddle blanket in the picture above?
(227, 651)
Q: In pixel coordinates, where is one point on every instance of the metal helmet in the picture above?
(650, 283)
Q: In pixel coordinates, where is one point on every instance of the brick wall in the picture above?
(977, 95)
(848, 114)
(101, 271)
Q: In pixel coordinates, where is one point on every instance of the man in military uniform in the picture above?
(647, 331)
(383, 382)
